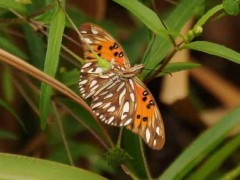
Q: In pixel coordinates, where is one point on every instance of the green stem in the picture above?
(61, 129)
(119, 137)
(144, 159)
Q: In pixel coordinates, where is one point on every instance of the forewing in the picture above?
(115, 105)
(147, 119)
(103, 44)
(92, 79)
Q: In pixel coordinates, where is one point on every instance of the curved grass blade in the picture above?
(12, 4)
(215, 49)
(11, 110)
(149, 17)
(7, 135)
(51, 61)
(202, 146)
(161, 46)
(22, 167)
(215, 161)
(178, 66)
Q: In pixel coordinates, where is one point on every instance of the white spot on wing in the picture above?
(93, 83)
(154, 142)
(128, 121)
(110, 120)
(94, 31)
(132, 97)
(111, 109)
(98, 70)
(121, 96)
(147, 135)
(83, 82)
(103, 93)
(106, 105)
(84, 32)
(108, 96)
(88, 41)
(87, 65)
(131, 83)
(97, 104)
(125, 110)
(158, 130)
(120, 86)
(95, 87)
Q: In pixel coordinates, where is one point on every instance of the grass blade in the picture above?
(215, 161)
(202, 146)
(161, 46)
(22, 167)
(215, 49)
(149, 17)
(12, 4)
(51, 61)
(178, 66)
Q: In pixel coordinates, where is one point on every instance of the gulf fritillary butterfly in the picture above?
(119, 98)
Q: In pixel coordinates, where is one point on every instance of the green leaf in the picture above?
(231, 7)
(7, 84)
(13, 4)
(215, 49)
(7, 135)
(233, 174)
(176, 19)
(132, 146)
(215, 161)
(21, 167)
(7, 45)
(51, 61)
(178, 66)
(208, 15)
(11, 110)
(202, 146)
(36, 46)
(144, 14)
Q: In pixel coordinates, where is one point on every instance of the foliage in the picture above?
(43, 27)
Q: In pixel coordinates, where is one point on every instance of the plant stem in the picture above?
(144, 159)
(119, 137)
(61, 129)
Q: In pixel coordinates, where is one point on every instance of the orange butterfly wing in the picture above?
(147, 120)
(103, 44)
(137, 110)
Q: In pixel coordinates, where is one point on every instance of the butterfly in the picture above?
(119, 98)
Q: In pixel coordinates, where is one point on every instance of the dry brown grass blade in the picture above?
(36, 73)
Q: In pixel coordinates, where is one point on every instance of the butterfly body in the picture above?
(119, 98)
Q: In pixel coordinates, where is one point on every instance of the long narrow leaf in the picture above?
(216, 160)
(11, 110)
(161, 46)
(202, 146)
(178, 66)
(215, 49)
(21, 167)
(13, 4)
(146, 15)
(51, 61)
